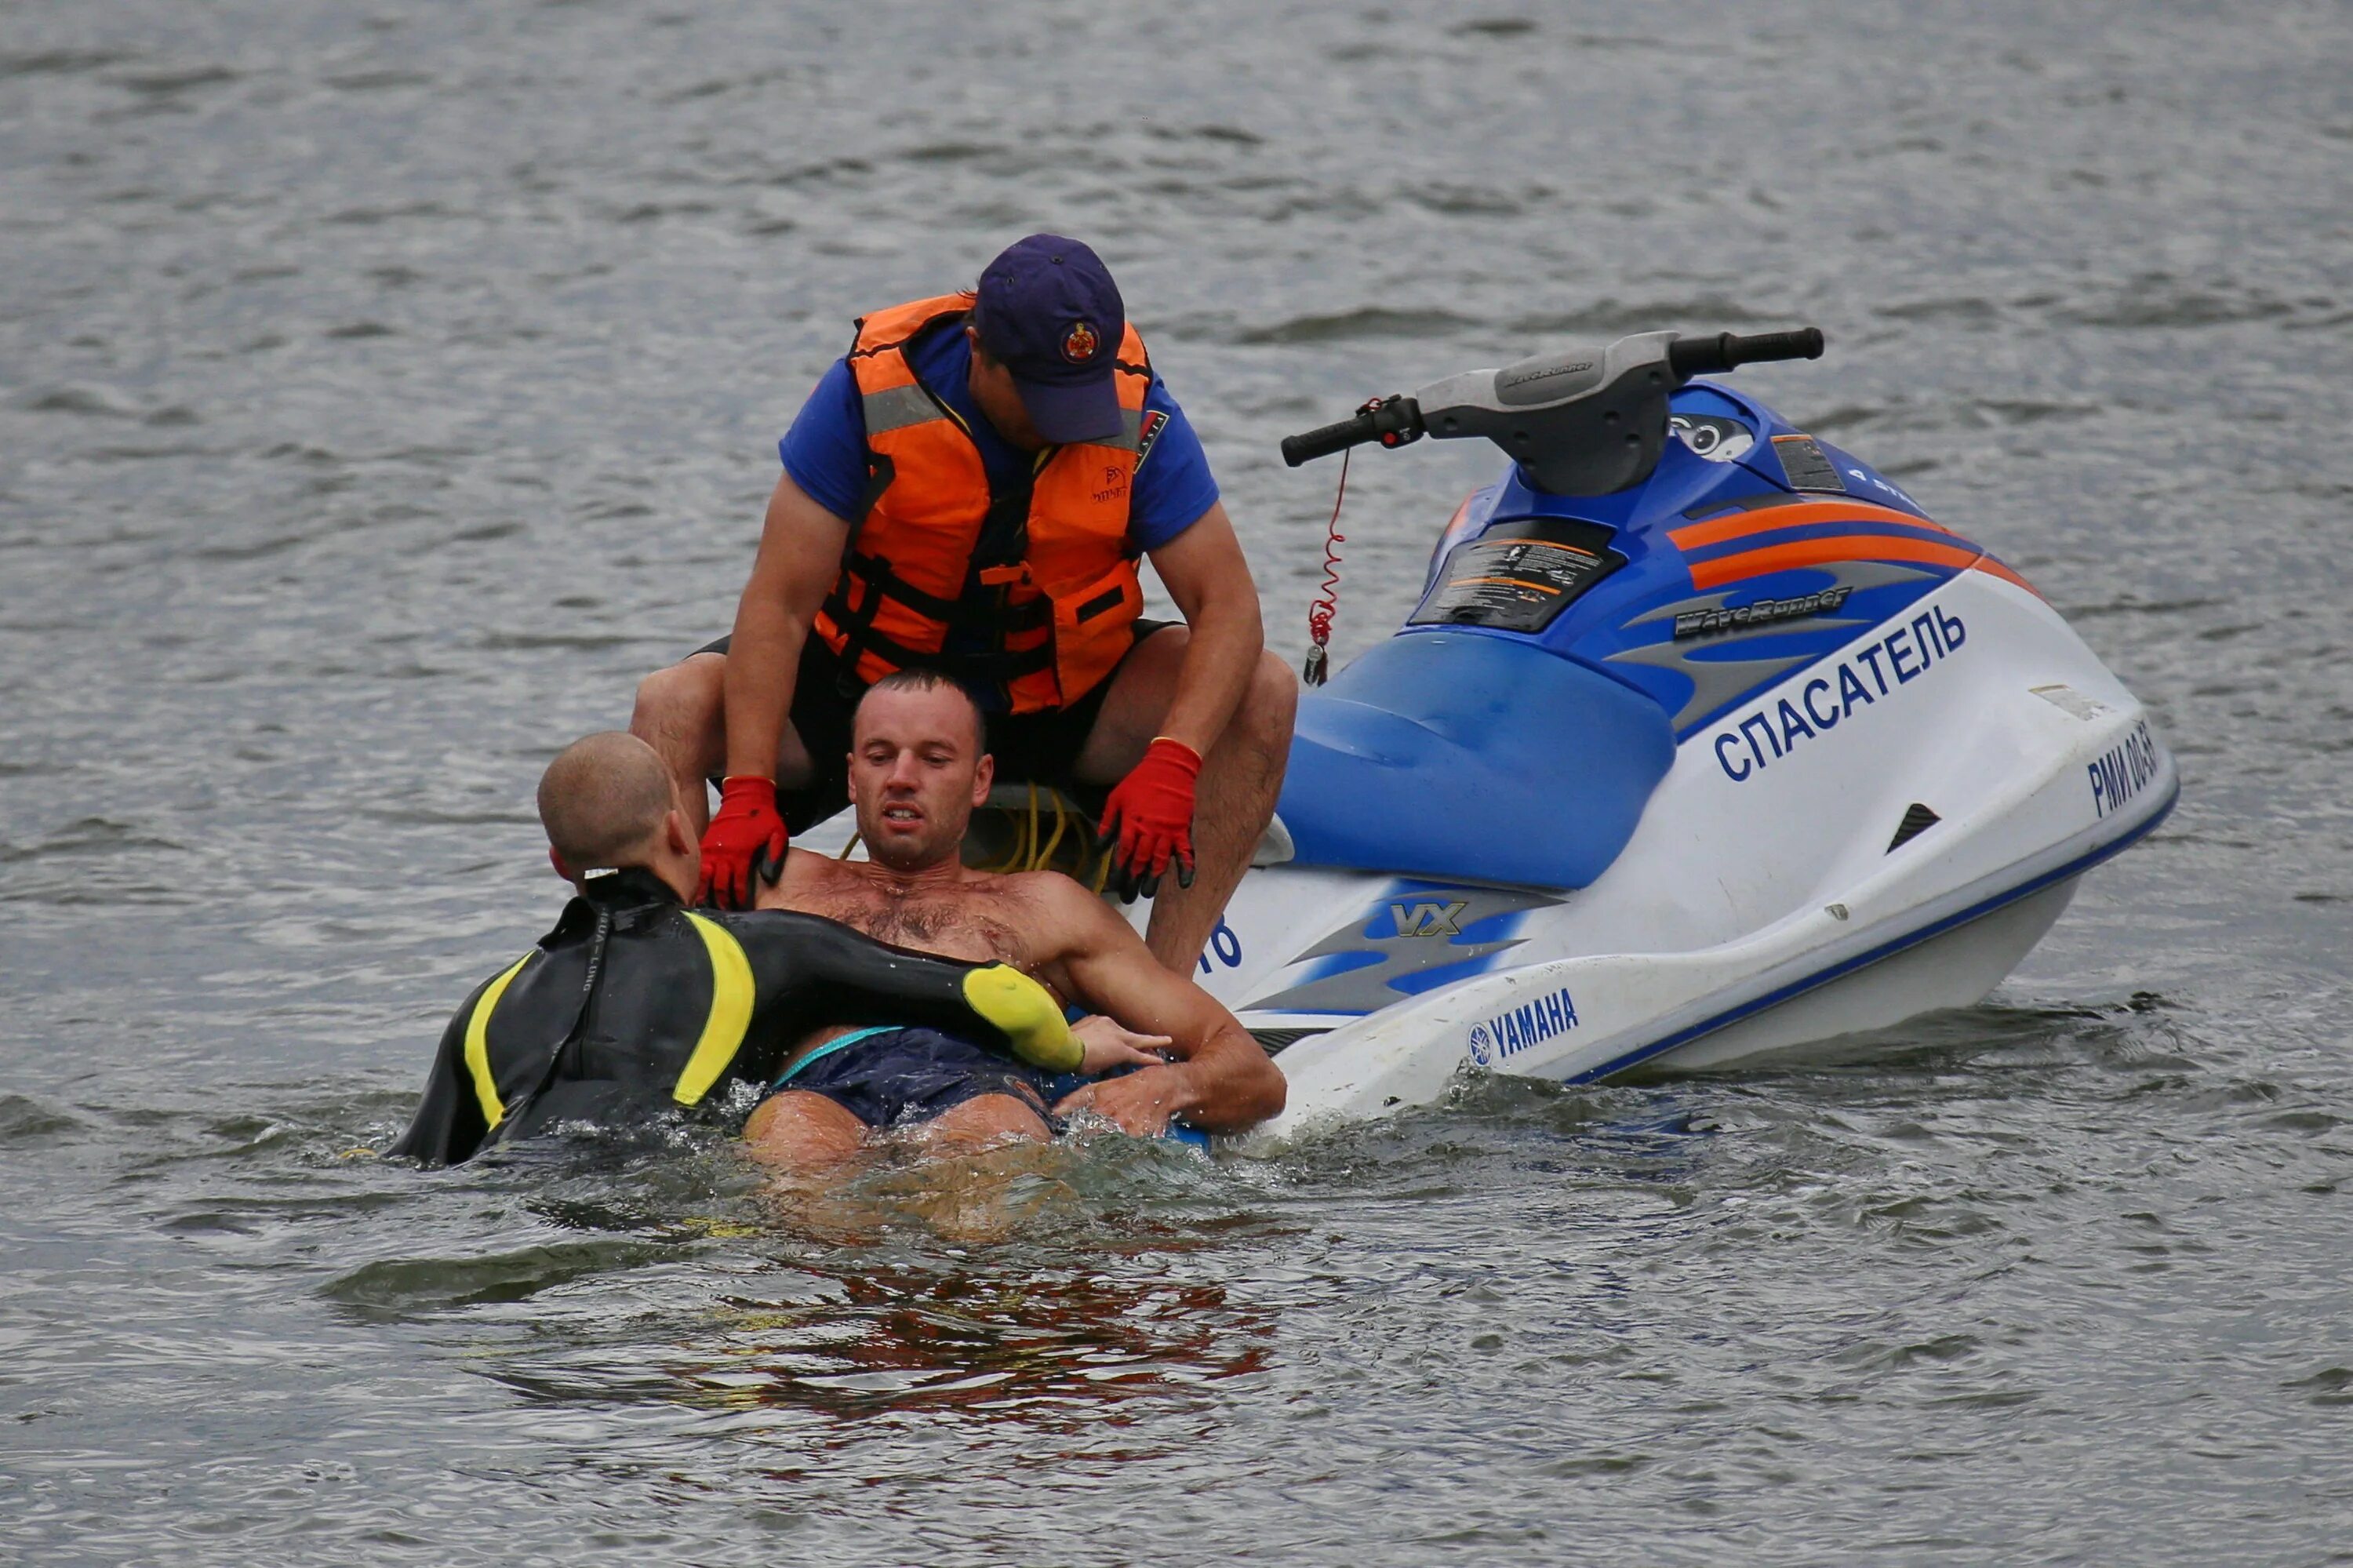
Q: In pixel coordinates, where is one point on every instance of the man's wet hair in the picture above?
(604, 796)
(921, 679)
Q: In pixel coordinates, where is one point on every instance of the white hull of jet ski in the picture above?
(1758, 906)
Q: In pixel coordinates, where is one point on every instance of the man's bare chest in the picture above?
(958, 924)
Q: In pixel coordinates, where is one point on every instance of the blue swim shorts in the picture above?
(889, 1077)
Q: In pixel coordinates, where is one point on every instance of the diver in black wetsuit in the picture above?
(634, 1007)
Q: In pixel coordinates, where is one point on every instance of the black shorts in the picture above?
(1033, 749)
(891, 1077)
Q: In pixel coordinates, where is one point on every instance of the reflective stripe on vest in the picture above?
(936, 541)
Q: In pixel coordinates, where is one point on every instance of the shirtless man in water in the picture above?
(917, 771)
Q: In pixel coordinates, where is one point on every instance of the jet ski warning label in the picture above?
(1513, 583)
(1805, 465)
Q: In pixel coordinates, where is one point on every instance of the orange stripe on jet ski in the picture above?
(1799, 514)
(1820, 552)
(1989, 565)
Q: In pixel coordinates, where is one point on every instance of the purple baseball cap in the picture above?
(1049, 312)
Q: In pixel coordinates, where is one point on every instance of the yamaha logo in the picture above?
(1524, 1027)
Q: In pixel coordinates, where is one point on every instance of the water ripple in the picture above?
(385, 392)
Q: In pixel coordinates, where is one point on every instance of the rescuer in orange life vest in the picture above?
(969, 489)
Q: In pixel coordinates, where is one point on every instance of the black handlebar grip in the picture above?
(1355, 430)
(1689, 357)
(1806, 343)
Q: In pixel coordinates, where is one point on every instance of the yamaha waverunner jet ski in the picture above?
(1704, 742)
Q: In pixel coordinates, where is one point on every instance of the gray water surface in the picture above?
(383, 388)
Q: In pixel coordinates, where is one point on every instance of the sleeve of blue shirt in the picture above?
(1173, 484)
(825, 452)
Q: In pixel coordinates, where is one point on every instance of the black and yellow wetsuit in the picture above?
(634, 1005)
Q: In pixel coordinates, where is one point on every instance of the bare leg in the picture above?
(973, 1155)
(1241, 778)
(981, 1122)
(681, 712)
(798, 1132)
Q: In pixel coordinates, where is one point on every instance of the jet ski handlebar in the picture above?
(1583, 422)
(1690, 357)
(1393, 421)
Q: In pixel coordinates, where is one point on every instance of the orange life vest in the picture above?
(1040, 580)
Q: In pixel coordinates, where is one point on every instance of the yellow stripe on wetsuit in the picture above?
(732, 995)
(478, 1045)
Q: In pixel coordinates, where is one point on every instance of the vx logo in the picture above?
(1429, 919)
(1386, 951)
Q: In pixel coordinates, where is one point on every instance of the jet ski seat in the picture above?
(1462, 754)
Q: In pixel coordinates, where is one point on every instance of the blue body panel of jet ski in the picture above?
(1464, 753)
(1514, 729)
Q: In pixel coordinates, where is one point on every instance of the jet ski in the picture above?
(1704, 742)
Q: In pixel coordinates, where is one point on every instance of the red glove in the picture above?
(1147, 821)
(745, 839)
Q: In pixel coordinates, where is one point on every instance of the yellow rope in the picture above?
(1018, 859)
(1103, 874)
(1061, 822)
(1012, 858)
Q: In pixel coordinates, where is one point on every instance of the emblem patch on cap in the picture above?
(1079, 344)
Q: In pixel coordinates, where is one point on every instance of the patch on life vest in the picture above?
(1155, 421)
(1079, 344)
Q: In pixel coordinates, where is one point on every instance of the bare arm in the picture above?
(801, 545)
(1205, 573)
(1221, 1081)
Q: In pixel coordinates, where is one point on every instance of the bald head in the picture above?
(603, 801)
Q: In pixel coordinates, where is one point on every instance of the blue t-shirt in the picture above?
(825, 450)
